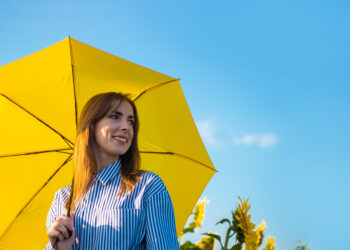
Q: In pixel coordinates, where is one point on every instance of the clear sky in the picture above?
(267, 82)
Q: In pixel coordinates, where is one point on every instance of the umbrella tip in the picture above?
(69, 37)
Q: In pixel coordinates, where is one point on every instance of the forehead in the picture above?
(121, 106)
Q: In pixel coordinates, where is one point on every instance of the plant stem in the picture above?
(227, 237)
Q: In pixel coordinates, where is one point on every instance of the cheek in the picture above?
(131, 136)
(100, 134)
(98, 138)
(132, 133)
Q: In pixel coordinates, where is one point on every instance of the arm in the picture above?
(57, 227)
(160, 222)
(51, 218)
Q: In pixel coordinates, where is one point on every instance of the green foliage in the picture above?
(188, 245)
(214, 236)
(238, 246)
(303, 247)
(240, 229)
(206, 243)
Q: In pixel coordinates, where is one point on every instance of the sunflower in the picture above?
(260, 232)
(199, 212)
(207, 243)
(270, 243)
(243, 221)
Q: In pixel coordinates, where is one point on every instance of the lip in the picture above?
(120, 141)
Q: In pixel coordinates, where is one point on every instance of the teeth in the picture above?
(119, 138)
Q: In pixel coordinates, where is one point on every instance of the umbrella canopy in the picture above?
(41, 96)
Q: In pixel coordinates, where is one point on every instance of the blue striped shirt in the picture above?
(141, 219)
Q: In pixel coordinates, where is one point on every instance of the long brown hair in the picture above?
(84, 159)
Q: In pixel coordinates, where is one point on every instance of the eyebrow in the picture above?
(121, 114)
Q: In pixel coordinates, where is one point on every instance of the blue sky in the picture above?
(267, 83)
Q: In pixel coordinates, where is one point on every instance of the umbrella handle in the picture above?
(70, 197)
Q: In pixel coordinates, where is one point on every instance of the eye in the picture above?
(131, 122)
(114, 116)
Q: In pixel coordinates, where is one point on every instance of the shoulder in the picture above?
(151, 183)
(62, 194)
(58, 204)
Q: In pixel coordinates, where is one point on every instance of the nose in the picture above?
(125, 125)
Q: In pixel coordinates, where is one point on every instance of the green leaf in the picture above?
(215, 236)
(188, 245)
(238, 246)
(192, 225)
(223, 221)
(230, 231)
(303, 247)
(188, 230)
(233, 233)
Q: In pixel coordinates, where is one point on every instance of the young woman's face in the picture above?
(114, 132)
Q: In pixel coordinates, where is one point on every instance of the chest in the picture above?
(104, 217)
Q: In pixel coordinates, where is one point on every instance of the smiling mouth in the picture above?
(119, 138)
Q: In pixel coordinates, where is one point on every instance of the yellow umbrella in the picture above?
(41, 96)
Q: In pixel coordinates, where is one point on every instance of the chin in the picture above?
(120, 153)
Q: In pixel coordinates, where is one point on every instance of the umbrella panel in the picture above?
(184, 180)
(23, 133)
(166, 124)
(41, 83)
(28, 231)
(22, 177)
(96, 71)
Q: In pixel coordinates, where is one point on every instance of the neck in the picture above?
(103, 161)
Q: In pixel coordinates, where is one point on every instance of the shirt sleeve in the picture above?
(160, 222)
(51, 218)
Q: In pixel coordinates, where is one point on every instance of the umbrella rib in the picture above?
(68, 143)
(154, 87)
(73, 77)
(62, 150)
(179, 155)
(47, 125)
(64, 163)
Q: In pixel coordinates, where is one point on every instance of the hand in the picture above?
(58, 232)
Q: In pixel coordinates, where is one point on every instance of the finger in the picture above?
(67, 221)
(57, 227)
(63, 229)
(71, 223)
(56, 235)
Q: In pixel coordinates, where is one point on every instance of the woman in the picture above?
(113, 204)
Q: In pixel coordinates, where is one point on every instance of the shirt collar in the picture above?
(109, 172)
